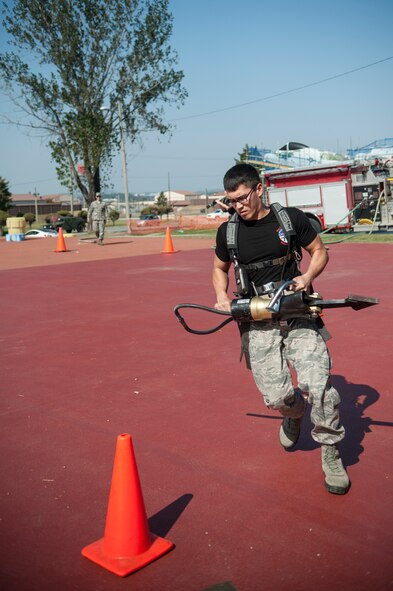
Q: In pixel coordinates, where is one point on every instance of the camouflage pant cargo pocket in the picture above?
(272, 348)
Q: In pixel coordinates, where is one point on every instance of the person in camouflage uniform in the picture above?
(272, 346)
(97, 216)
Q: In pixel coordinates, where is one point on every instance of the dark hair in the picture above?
(241, 174)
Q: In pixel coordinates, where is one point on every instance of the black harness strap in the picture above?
(283, 219)
(290, 233)
(232, 232)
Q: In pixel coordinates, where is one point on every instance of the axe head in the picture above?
(357, 302)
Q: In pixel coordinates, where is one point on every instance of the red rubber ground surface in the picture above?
(92, 349)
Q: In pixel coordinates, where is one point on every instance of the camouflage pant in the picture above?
(99, 228)
(271, 349)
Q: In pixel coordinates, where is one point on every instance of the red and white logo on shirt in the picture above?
(282, 237)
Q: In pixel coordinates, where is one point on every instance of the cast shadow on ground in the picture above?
(89, 241)
(114, 243)
(161, 522)
(355, 400)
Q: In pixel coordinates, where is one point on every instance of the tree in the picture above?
(162, 205)
(165, 210)
(91, 54)
(114, 215)
(3, 220)
(161, 199)
(30, 218)
(149, 209)
(5, 201)
(243, 156)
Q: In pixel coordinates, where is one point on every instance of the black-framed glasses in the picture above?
(242, 198)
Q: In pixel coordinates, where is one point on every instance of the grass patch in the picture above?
(326, 238)
(196, 233)
(357, 237)
(211, 233)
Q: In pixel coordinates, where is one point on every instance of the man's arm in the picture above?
(220, 284)
(318, 261)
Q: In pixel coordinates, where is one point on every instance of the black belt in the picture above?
(269, 263)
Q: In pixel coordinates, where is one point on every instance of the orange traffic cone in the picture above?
(60, 246)
(168, 246)
(127, 544)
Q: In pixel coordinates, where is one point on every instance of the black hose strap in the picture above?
(206, 309)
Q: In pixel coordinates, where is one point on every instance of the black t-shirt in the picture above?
(264, 240)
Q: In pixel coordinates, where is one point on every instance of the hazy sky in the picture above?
(233, 53)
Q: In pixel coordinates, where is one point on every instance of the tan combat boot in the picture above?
(336, 478)
(289, 432)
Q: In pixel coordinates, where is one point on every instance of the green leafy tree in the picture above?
(3, 220)
(149, 209)
(5, 201)
(114, 215)
(30, 218)
(165, 210)
(86, 55)
(161, 199)
(163, 207)
(243, 156)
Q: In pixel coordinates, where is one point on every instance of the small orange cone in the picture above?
(168, 246)
(60, 246)
(127, 544)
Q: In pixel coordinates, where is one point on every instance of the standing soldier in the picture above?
(97, 217)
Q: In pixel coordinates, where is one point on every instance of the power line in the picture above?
(266, 98)
(32, 182)
(193, 158)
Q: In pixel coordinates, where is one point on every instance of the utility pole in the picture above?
(169, 189)
(72, 193)
(124, 160)
(36, 204)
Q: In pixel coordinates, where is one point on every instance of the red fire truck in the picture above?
(340, 196)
